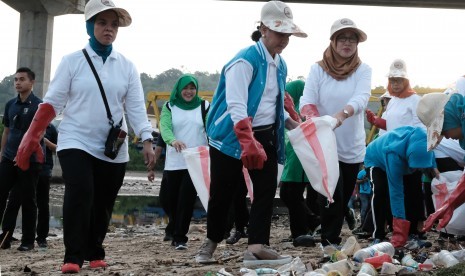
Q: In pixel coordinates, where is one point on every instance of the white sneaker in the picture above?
(205, 253)
(266, 256)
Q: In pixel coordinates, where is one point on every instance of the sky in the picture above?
(203, 35)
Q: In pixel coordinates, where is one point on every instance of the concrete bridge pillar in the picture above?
(36, 34)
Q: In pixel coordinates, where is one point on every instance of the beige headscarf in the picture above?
(338, 67)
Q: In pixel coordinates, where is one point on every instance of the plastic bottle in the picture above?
(408, 260)
(385, 247)
(446, 258)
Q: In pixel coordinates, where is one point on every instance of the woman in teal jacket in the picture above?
(389, 160)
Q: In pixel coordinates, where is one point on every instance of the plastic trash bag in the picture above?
(441, 189)
(314, 143)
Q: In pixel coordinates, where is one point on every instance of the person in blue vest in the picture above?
(390, 159)
(245, 127)
(443, 116)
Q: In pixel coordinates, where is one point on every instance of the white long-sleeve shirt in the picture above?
(238, 78)
(402, 112)
(331, 96)
(75, 92)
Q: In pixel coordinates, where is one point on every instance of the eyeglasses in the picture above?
(396, 80)
(351, 39)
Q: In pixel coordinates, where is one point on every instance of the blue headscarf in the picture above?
(454, 116)
(102, 50)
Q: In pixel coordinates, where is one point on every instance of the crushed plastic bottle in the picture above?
(408, 260)
(296, 266)
(385, 247)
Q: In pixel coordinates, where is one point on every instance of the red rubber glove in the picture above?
(445, 213)
(31, 140)
(253, 155)
(289, 106)
(375, 120)
(308, 111)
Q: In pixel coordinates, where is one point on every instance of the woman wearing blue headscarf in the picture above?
(92, 178)
(444, 115)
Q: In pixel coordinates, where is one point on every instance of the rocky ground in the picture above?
(140, 249)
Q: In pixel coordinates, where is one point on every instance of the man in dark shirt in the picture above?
(18, 115)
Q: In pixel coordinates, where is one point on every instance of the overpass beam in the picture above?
(35, 47)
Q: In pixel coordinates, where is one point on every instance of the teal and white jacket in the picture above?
(220, 125)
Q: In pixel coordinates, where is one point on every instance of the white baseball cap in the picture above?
(277, 16)
(398, 69)
(346, 23)
(430, 111)
(94, 7)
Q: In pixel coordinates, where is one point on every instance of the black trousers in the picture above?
(91, 187)
(19, 187)
(225, 173)
(414, 200)
(332, 215)
(380, 203)
(165, 203)
(43, 211)
(238, 215)
(181, 196)
(301, 218)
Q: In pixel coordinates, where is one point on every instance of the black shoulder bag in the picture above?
(116, 136)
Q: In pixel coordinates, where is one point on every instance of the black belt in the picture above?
(263, 128)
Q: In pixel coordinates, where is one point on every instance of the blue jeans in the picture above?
(365, 201)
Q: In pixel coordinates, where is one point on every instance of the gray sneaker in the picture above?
(205, 253)
(266, 256)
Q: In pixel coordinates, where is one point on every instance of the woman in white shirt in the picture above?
(92, 179)
(339, 85)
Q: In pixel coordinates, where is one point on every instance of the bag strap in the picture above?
(101, 88)
(204, 112)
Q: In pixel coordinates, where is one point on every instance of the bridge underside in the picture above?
(442, 4)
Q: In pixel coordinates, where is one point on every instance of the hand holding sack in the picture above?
(375, 120)
(445, 213)
(289, 107)
(309, 111)
(30, 143)
(253, 155)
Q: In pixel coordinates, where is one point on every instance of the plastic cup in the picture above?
(350, 246)
(342, 266)
(389, 269)
(368, 269)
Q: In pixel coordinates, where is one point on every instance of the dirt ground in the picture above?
(140, 249)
